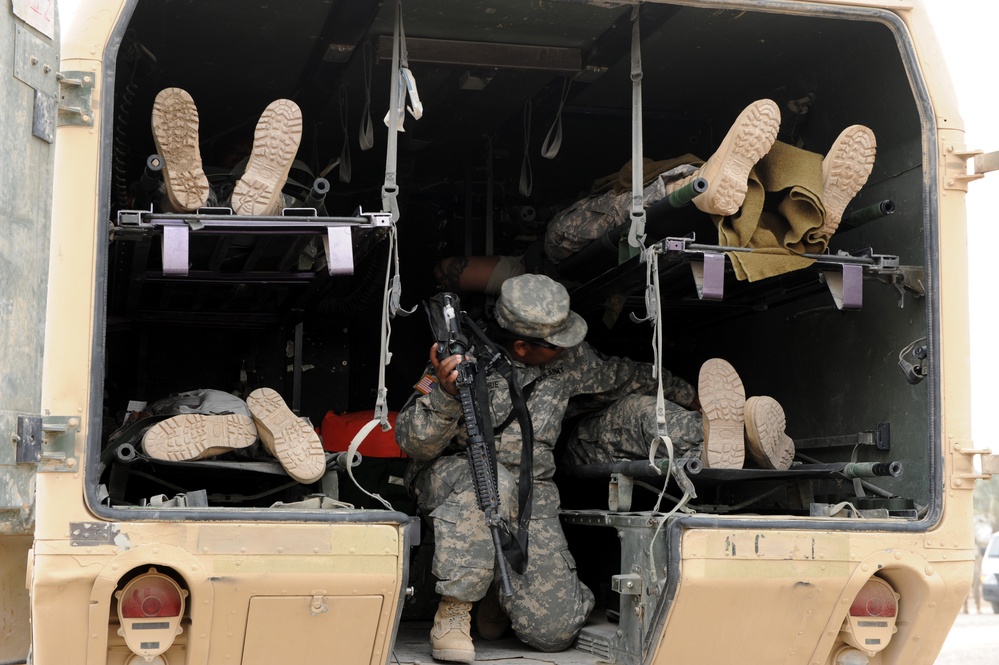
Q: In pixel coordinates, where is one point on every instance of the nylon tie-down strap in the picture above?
(553, 140)
(636, 234)
(366, 132)
(526, 184)
(391, 306)
(345, 151)
(653, 314)
(403, 83)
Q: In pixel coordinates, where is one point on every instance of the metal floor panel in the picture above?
(412, 647)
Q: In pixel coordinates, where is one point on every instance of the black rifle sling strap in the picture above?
(498, 360)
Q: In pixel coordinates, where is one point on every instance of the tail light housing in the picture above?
(150, 609)
(871, 620)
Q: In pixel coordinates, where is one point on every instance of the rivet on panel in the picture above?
(929, 570)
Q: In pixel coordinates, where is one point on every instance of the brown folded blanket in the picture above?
(780, 219)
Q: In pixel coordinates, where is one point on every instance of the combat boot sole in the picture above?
(192, 436)
(845, 170)
(275, 145)
(286, 436)
(767, 443)
(723, 400)
(727, 171)
(175, 134)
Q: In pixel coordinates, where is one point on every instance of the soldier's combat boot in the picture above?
(193, 436)
(845, 170)
(286, 436)
(175, 134)
(727, 171)
(490, 619)
(768, 444)
(723, 399)
(275, 144)
(451, 637)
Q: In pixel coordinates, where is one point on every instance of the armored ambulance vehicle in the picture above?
(436, 129)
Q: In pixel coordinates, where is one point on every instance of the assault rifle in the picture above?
(444, 310)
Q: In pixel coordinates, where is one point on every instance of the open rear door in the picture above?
(29, 99)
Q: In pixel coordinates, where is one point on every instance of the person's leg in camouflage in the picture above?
(549, 604)
(625, 429)
(464, 559)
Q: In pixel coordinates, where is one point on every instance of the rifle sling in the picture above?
(518, 398)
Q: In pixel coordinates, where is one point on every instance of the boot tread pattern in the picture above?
(845, 171)
(275, 145)
(769, 445)
(749, 139)
(290, 439)
(175, 133)
(723, 399)
(192, 436)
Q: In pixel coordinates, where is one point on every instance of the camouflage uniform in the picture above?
(549, 604)
(575, 227)
(588, 219)
(624, 430)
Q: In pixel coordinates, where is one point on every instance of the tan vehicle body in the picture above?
(302, 588)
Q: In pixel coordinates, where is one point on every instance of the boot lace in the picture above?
(455, 615)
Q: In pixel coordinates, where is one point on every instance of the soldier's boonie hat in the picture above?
(537, 306)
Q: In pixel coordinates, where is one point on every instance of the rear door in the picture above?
(29, 62)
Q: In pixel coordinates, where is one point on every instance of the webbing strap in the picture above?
(355, 443)
(653, 314)
(526, 175)
(553, 141)
(636, 235)
(366, 133)
(390, 308)
(345, 151)
(403, 83)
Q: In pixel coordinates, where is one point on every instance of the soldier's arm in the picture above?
(612, 377)
(424, 429)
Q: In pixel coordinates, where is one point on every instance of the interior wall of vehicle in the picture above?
(836, 373)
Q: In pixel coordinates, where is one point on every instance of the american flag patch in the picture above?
(426, 383)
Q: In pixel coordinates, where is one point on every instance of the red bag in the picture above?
(338, 430)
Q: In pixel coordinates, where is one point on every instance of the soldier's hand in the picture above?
(446, 370)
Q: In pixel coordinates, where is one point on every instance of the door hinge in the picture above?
(76, 105)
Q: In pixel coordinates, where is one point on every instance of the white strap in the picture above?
(352, 451)
(390, 307)
(393, 119)
(345, 151)
(553, 141)
(636, 234)
(654, 314)
(526, 175)
(366, 133)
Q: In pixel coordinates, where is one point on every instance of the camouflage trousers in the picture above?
(625, 429)
(549, 604)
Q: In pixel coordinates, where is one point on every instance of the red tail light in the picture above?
(876, 599)
(150, 610)
(151, 595)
